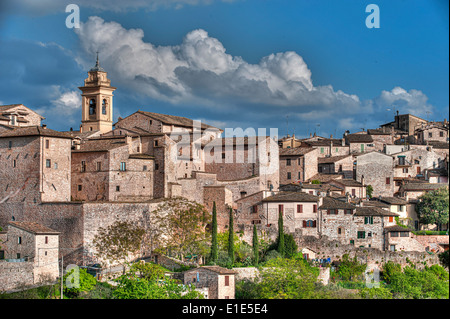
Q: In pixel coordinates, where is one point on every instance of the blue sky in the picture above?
(241, 63)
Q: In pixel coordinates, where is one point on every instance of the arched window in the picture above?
(92, 107)
(104, 104)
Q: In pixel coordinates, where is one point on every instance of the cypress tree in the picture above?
(255, 246)
(214, 244)
(281, 247)
(231, 237)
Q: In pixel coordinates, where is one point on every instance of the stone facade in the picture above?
(219, 281)
(378, 171)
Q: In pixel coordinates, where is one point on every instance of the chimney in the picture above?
(44, 126)
(71, 129)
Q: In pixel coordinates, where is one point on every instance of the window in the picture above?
(254, 209)
(289, 175)
(280, 209)
(19, 240)
(309, 223)
(314, 208)
(441, 134)
(404, 234)
(46, 239)
(14, 163)
(123, 166)
(104, 104)
(117, 188)
(55, 165)
(368, 220)
(394, 234)
(83, 166)
(405, 170)
(99, 166)
(47, 144)
(92, 107)
(340, 168)
(388, 180)
(299, 208)
(156, 143)
(401, 160)
(48, 163)
(369, 234)
(156, 166)
(144, 168)
(332, 212)
(80, 188)
(227, 281)
(322, 150)
(353, 192)
(361, 234)
(150, 122)
(430, 134)
(299, 161)
(339, 231)
(299, 175)
(9, 144)
(288, 162)
(348, 212)
(243, 194)
(392, 247)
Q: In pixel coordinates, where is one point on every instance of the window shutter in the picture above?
(314, 223)
(304, 224)
(314, 208)
(328, 211)
(299, 208)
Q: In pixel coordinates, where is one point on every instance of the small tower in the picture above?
(97, 101)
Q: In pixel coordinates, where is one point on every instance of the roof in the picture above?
(324, 178)
(422, 186)
(141, 156)
(295, 151)
(238, 140)
(393, 200)
(438, 144)
(34, 228)
(375, 203)
(34, 131)
(291, 197)
(325, 142)
(373, 211)
(217, 269)
(396, 228)
(332, 203)
(100, 144)
(324, 187)
(348, 182)
(332, 159)
(379, 131)
(359, 138)
(174, 120)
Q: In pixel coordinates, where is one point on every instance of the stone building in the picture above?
(218, 281)
(407, 123)
(432, 131)
(351, 187)
(18, 115)
(34, 165)
(336, 165)
(30, 255)
(412, 191)
(298, 164)
(360, 143)
(328, 146)
(299, 211)
(378, 171)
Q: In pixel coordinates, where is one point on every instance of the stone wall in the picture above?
(431, 242)
(15, 275)
(376, 168)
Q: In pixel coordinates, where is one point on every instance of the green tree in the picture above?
(214, 244)
(290, 246)
(85, 283)
(280, 239)
(119, 242)
(389, 269)
(369, 190)
(284, 278)
(443, 259)
(350, 269)
(231, 237)
(432, 207)
(134, 285)
(255, 246)
(183, 224)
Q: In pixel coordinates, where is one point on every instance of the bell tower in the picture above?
(97, 101)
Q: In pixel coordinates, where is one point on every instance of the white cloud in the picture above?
(412, 101)
(200, 70)
(65, 102)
